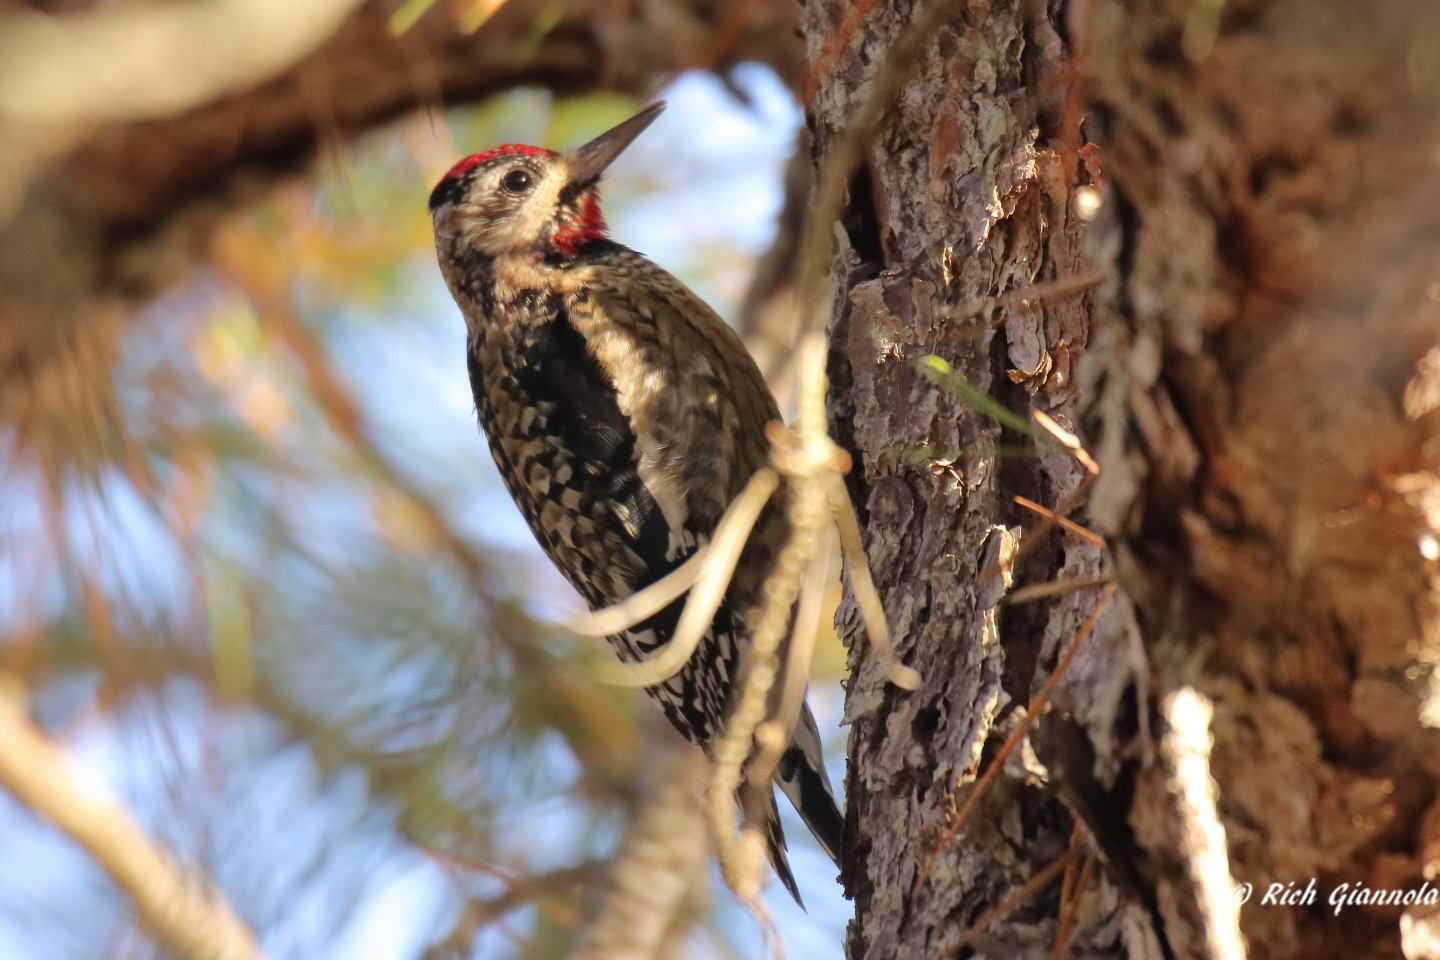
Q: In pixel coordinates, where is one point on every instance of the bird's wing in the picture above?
(696, 402)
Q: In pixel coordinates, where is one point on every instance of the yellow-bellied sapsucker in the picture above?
(624, 416)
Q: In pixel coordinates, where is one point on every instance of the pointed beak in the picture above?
(589, 161)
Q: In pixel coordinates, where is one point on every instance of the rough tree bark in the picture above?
(1245, 379)
(1271, 191)
(1281, 194)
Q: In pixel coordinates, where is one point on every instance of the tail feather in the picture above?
(776, 842)
(801, 776)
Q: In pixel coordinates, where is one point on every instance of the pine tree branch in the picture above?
(186, 915)
(658, 879)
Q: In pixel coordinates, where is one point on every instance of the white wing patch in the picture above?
(637, 388)
(668, 497)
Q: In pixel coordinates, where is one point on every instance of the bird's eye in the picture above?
(517, 181)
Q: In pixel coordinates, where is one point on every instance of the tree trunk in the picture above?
(1269, 174)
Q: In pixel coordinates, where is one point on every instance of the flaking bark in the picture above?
(1245, 379)
(1263, 471)
(962, 197)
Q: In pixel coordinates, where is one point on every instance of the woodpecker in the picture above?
(624, 416)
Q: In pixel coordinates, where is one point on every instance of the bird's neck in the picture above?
(579, 224)
(510, 290)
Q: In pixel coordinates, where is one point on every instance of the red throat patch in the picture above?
(589, 224)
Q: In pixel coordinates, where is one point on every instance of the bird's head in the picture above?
(520, 200)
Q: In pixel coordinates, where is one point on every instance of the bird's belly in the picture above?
(582, 534)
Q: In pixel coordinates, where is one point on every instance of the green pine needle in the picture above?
(940, 373)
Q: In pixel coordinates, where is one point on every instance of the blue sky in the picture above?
(698, 194)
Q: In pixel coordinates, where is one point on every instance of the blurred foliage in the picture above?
(293, 615)
(268, 567)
